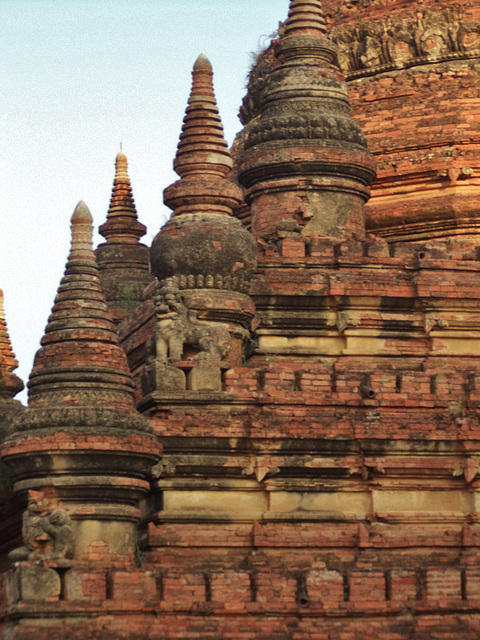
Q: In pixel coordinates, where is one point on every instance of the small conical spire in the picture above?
(10, 384)
(305, 17)
(202, 148)
(80, 350)
(203, 159)
(7, 357)
(122, 225)
(80, 304)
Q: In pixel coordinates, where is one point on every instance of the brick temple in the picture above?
(266, 426)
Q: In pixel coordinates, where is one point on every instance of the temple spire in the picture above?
(302, 141)
(80, 352)
(10, 384)
(123, 262)
(197, 245)
(305, 17)
(91, 448)
(203, 160)
(122, 225)
(203, 256)
(202, 148)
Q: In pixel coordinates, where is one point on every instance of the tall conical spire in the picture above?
(203, 160)
(122, 225)
(198, 245)
(305, 17)
(80, 355)
(202, 148)
(10, 384)
(203, 255)
(91, 448)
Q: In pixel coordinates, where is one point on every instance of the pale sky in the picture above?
(77, 77)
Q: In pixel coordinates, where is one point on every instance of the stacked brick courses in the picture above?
(123, 261)
(413, 84)
(328, 487)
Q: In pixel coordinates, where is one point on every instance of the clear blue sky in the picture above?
(79, 76)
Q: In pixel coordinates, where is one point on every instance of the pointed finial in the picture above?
(82, 231)
(122, 225)
(121, 168)
(10, 384)
(202, 148)
(202, 63)
(305, 17)
(81, 214)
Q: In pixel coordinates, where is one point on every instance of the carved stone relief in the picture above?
(178, 327)
(427, 35)
(89, 415)
(47, 531)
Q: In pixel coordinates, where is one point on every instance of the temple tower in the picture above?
(123, 261)
(305, 160)
(318, 408)
(203, 257)
(10, 384)
(92, 451)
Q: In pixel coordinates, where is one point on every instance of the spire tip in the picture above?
(202, 63)
(82, 214)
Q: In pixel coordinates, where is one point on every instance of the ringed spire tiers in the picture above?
(10, 384)
(303, 151)
(305, 17)
(203, 245)
(202, 148)
(80, 358)
(203, 160)
(122, 225)
(123, 261)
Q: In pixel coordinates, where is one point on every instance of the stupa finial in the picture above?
(10, 384)
(203, 242)
(122, 225)
(202, 148)
(305, 17)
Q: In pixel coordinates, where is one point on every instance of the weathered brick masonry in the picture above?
(306, 462)
(414, 88)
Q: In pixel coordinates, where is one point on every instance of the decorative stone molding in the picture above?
(205, 251)
(406, 40)
(86, 416)
(313, 126)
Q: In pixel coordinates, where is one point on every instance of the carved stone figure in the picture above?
(47, 531)
(177, 327)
